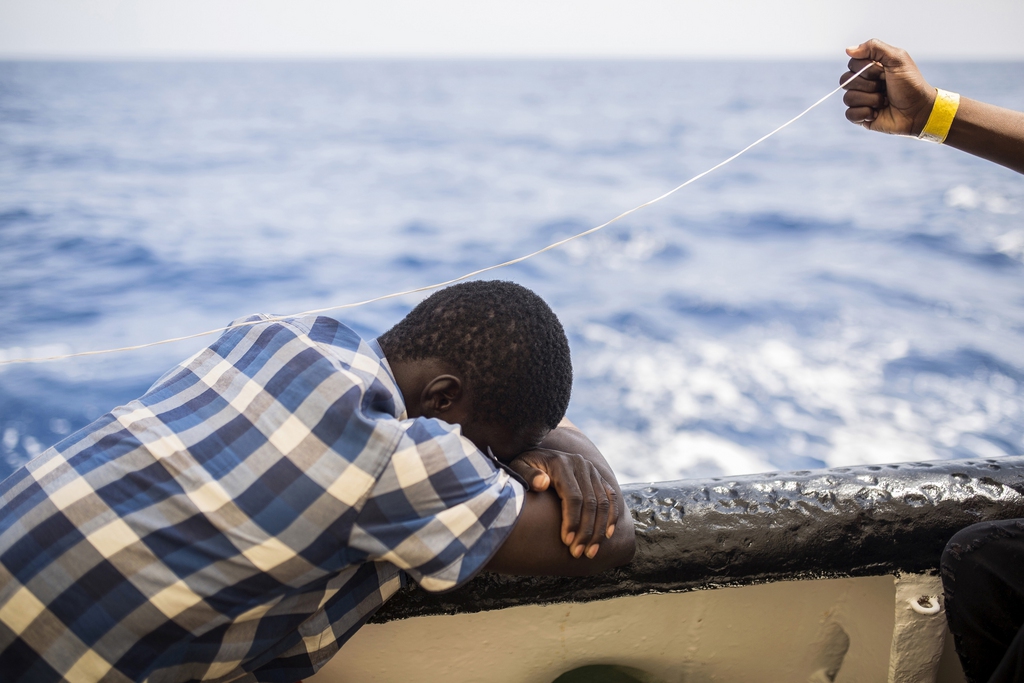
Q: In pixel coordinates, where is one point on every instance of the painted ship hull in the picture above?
(803, 576)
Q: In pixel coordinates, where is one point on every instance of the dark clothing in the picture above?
(983, 579)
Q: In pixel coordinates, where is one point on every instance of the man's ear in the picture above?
(441, 395)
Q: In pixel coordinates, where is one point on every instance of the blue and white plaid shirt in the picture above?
(242, 519)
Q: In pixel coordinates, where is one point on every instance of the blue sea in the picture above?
(833, 297)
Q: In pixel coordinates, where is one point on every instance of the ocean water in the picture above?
(834, 297)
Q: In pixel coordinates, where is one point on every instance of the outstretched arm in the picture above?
(893, 97)
(574, 510)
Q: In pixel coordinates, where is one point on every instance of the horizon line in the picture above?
(410, 56)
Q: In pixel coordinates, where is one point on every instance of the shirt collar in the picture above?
(400, 409)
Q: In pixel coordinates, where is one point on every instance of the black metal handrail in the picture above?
(697, 534)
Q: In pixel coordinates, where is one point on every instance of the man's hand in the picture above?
(892, 96)
(574, 501)
(590, 504)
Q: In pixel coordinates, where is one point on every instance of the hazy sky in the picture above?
(499, 28)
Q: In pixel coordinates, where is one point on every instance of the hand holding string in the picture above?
(891, 96)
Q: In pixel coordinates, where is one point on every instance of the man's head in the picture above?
(486, 355)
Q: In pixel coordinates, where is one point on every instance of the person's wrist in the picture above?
(940, 119)
(924, 110)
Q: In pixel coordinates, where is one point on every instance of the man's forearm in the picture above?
(535, 549)
(537, 546)
(989, 132)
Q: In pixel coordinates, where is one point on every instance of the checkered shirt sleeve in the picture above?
(440, 509)
(241, 520)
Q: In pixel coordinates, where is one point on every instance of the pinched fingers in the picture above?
(863, 83)
(883, 53)
(865, 95)
(875, 73)
(861, 115)
(863, 106)
(900, 99)
(855, 98)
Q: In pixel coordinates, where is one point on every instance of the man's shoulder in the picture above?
(288, 359)
(282, 336)
(319, 328)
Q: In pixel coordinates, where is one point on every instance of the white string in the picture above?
(438, 285)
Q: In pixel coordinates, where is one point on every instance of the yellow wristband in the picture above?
(941, 118)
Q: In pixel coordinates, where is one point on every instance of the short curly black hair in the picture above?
(505, 341)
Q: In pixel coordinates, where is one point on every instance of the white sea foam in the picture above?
(1012, 244)
(10, 438)
(615, 253)
(759, 402)
(966, 197)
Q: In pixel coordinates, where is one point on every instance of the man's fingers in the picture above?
(613, 511)
(602, 503)
(544, 469)
(858, 51)
(863, 107)
(875, 100)
(860, 83)
(588, 507)
(877, 51)
(538, 479)
(875, 73)
(572, 503)
(861, 114)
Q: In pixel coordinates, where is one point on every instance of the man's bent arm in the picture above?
(536, 547)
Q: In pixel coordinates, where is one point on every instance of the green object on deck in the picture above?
(605, 673)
